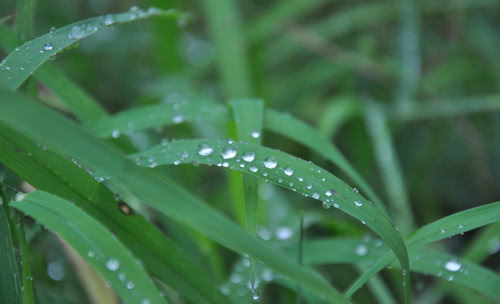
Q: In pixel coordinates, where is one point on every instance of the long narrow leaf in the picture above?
(94, 243)
(133, 183)
(23, 61)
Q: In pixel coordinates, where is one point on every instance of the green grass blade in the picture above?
(249, 115)
(271, 21)
(137, 119)
(224, 24)
(133, 183)
(299, 131)
(94, 243)
(27, 278)
(446, 227)
(24, 18)
(409, 44)
(423, 260)
(385, 154)
(10, 285)
(338, 111)
(485, 244)
(53, 173)
(23, 61)
(290, 172)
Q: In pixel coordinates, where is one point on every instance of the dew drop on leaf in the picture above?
(254, 169)
(289, 171)
(112, 264)
(205, 150)
(358, 203)
(255, 134)
(361, 250)
(248, 157)
(284, 233)
(453, 266)
(229, 152)
(270, 162)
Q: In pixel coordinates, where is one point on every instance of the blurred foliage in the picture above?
(323, 62)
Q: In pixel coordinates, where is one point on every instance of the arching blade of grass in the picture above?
(287, 171)
(486, 243)
(249, 115)
(299, 131)
(385, 154)
(423, 260)
(49, 171)
(23, 61)
(198, 111)
(446, 227)
(133, 183)
(94, 243)
(271, 20)
(339, 110)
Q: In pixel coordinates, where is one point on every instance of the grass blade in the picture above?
(10, 285)
(446, 227)
(248, 115)
(22, 62)
(94, 243)
(299, 131)
(49, 171)
(24, 19)
(133, 183)
(290, 172)
(423, 260)
(224, 24)
(385, 154)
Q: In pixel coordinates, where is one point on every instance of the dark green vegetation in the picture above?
(249, 152)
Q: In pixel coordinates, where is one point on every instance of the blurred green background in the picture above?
(320, 61)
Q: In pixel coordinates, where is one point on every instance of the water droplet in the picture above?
(112, 264)
(265, 174)
(76, 33)
(130, 285)
(235, 278)
(442, 230)
(255, 134)
(177, 162)
(336, 205)
(91, 254)
(246, 262)
(315, 195)
(355, 190)
(254, 169)
(228, 152)
(109, 19)
(309, 187)
(56, 271)
(450, 278)
(358, 203)
(280, 180)
(326, 205)
(115, 134)
(242, 165)
(122, 276)
(361, 250)
(205, 150)
(289, 171)
(300, 179)
(453, 266)
(328, 193)
(270, 162)
(225, 164)
(264, 234)
(146, 301)
(255, 295)
(177, 119)
(248, 157)
(284, 233)
(48, 47)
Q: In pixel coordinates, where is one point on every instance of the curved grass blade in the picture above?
(299, 131)
(133, 183)
(137, 119)
(446, 227)
(289, 172)
(94, 243)
(338, 111)
(248, 115)
(24, 19)
(385, 154)
(423, 260)
(23, 61)
(49, 171)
